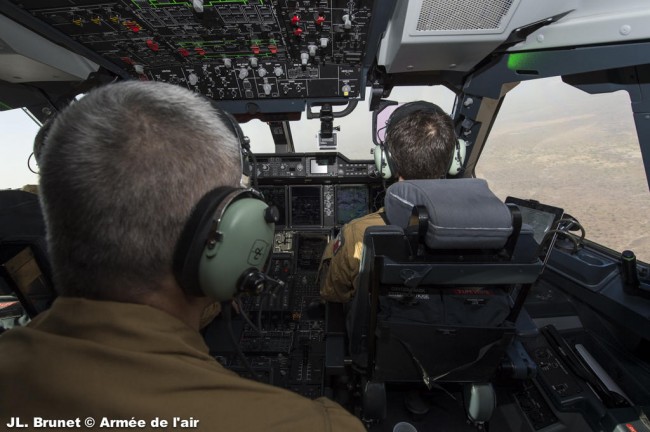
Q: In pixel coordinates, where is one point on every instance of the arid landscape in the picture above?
(575, 151)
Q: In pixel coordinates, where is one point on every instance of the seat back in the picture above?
(24, 265)
(432, 304)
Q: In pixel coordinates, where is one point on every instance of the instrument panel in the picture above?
(283, 339)
(318, 190)
(224, 49)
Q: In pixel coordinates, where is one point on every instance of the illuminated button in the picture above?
(273, 49)
(297, 31)
(346, 90)
(295, 20)
(320, 20)
(255, 49)
(153, 46)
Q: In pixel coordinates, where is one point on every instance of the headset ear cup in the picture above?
(190, 245)
(458, 157)
(244, 241)
(381, 162)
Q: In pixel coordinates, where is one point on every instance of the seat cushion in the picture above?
(463, 213)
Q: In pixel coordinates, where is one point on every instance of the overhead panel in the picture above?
(226, 50)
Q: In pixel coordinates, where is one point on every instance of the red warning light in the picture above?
(273, 49)
(183, 52)
(153, 46)
(255, 49)
(320, 20)
(297, 32)
(295, 20)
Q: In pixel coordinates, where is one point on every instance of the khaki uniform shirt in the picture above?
(119, 361)
(340, 262)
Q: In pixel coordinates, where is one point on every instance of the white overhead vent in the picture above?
(462, 15)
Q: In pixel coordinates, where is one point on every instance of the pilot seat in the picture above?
(25, 270)
(440, 293)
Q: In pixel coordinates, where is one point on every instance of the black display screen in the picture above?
(351, 202)
(277, 196)
(541, 217)
(306, 205)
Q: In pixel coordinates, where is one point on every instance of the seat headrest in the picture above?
(463, 213)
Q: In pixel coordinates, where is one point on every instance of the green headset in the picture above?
(226, 242)
(386, 166)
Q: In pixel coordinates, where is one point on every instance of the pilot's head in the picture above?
(120, 172)
(421, 139)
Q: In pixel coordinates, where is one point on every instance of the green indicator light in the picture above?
(522, 61)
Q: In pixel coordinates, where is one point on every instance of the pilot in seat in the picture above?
(141, 197)
(420, 143)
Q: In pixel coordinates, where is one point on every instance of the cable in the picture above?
(571, 223)
(265, 297)
(29, 167)
(227, 316)
(562, 229)
(243, 313)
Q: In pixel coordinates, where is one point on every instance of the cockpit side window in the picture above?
(558, 145)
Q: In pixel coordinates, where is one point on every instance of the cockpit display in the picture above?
(306, 205)
(351, 202)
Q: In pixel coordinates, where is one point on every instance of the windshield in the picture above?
(355, 137)
(550, 142)
(558, 145)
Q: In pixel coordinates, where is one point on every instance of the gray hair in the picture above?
(121, 171)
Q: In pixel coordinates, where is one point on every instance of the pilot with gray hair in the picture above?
(140, 187)
(420, 144)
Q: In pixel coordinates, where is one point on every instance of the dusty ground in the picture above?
(580, 153)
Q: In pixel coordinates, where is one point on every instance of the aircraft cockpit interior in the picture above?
(471, 312)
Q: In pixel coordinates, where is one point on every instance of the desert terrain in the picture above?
(576, 151)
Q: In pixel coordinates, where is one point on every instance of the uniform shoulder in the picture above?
(369, 219)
